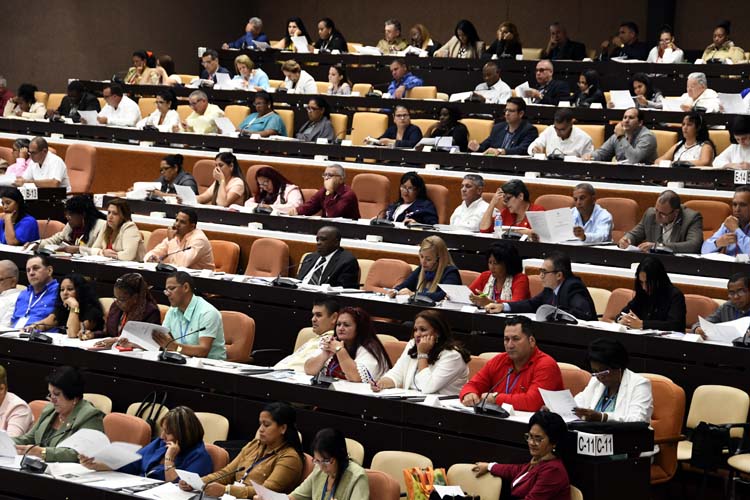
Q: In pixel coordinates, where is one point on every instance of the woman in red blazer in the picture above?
(505, 281)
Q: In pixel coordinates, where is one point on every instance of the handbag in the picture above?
(709, 444)
(420, 481)
(150, 409)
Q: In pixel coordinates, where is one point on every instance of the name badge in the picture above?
(594, 445)
(21, 322)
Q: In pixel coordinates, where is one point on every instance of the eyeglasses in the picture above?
(170, 290)
(402, 115)
(53, 397)
(328, 176)
(408, 189)
(730, 293)
(509, 110)
(535, 439)
(164, 169)
(601, 373)
(160, 101)
(542, 70)
(664, 214)
(325, 461)
(312, 108)
(543, 272)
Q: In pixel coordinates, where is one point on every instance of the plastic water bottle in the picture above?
(498, 226)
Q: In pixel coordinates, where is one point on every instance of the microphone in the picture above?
(32, 464)
(167, 268)
(378, 221)
(34, 245)
(492, 409)
(556, 154)
(508, 235)
(283, 281)
(230, 473)
(556, 317)
(176, 357)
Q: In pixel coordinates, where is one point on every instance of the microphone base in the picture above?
(382, 222)
(165, 268)
(33, 465)
(741, 342)
(172, 357)
(491, 410)
(560, 319)
(284, 282)
(40, 337)
(322, 381)
(511, 236)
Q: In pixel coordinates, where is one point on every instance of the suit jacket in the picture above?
(422, 211)
(571, 51)
(519, 145)
(88, 102)
(204, 73)
(634, 402)
(573, 297)
(661, 311)
(687, 233)
(555, 91)
(342, 270)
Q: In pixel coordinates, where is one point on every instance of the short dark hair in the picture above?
(504, 252)
(182, 277)
(670, 197)
(592, 78)
(211, 53)
(265, 96)
(333, 230)
(743, 276)
(174, 160)
(563, 115)
(560, 263)
(401, 62)
(515, 187)
(14, 194)
(630, 25)
(43, 257)
(394, 22)
(553, 425)
(518, 101)
(77, 86)
(417, 182)
(740, 125)
(27, 91)
(69, 380)
(523, 321)
(330, 305)
(638, 113)
(645, 80)
(609, 352)
(115, 89)
(168, 95)
(322, 104)
(184, 425)
(191, 213)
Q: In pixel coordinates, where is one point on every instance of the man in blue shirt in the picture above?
(732, 237)
(591, 223)
(403, 79)
(253, 33)
(38, 300)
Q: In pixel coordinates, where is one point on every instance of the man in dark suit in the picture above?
(331, 264)
(562, 47)
(561, 289)
(511, 137)
(77, 99)
(547, 90)
(210, 63)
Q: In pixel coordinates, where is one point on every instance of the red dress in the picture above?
(509, 219)
(519, 288)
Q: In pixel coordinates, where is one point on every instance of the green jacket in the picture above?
(83, 416)
(353, 485)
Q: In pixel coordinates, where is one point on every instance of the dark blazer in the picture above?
(519, 145)
(687, 233)
(571, 51)
(412, 135)
(586, 100)
(555, 92)
(638, 50)
(88, 102)
(204, 73)
(343, 269)
(503, 49)
(662, 311)
(336, 42)
(573, 297)
(183, 179)
(459, 133)
(422, 211)
(450, 276)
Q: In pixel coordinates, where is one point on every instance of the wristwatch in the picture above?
(44, 454)
(338, 349)
(179, 349)
(423, 356)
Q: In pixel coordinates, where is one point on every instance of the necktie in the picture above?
(318, 273)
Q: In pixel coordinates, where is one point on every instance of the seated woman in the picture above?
(514, 196)
(465, 43)
(508, 43)
(644, 93)
(165, 116)
(142, 72)
(121, 239)
(435, 267)
(505, 280)
(66, 414)
(318, 124)
(172, 174)
(273, 459)
(297, 80)
(419, 37)
(330, 38)
(77, 310)
(17, 227)
(274, 191)
(695, 146)
(666, 51)
(657, 304)
(402, 134)
(294, 27)
(722, 48)
(165, 69)
(133, 302)
(589, 91)
(336, 475)
(545, 475)
(339, 83)
(229, 185)
(249, 77)
(413, 205)
(85, 224)
(265, 121)
(432, 362)
(614, 393)
(22, 160)
(179, 446)
(354, 353)
(448, 125)
(24, 104)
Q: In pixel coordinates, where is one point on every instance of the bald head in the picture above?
(8, 275)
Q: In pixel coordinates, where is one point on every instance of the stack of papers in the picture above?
(141, 333)
(95, 444)
(724, 332)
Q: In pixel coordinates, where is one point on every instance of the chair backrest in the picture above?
(713, 212)
(531, 54)
(721, 139)
(49, 227)
(468, 277)
(100, 401)
(424, 124)
(669, 410)
(540, 127)
(356, 450)
(41, 97)
(307, 467)
(145, 236)
(487, 487)
(386, 273)
(489, 354)
(303, 336)
(624, 214)
(575, 493)
(133, 408)
(382, 486)
(617, 300)
(308, 193)
(80, 159)
(478, 128)
(365, 123)
(364, 270)
(203, 173)
(236, 113)
(186, 79)
(698, 305)
(268, 257)
(184, 111)
(394, 349)
(287, 116)
(718, 404)
(573, 377)
(439, 196)
(554, 201)
(423, 92)
(373, 194)
(127, 429)
(219, 456)
(394, 462)
(37, 406)
(340, 124)
(7, 155)
(147, 105)
(156, 237)
(362, 88)
(215, 426)
(239, 335)
(106, 303)
(476, 363)
(250, 177)
(384, 337)
(322, 87)
(596, 132)
(600, 296)
(665, 139)
(226, 255)
(535, 284)
(275, 83)
(163, 308)
(54, 101)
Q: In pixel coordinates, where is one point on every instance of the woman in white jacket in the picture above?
(432, 362)
(165, 116)
(614, 393)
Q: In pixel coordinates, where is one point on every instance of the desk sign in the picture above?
(29, 191)
(594, 445)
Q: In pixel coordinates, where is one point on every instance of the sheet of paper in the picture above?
(521, 89)
(86, 442)
(226, 126)
(89, 116)
(560, 402)
(732, 103)
(671, 104)
(140, 333)
(266, 494)
(11, 462)
(448, 490)
(300, 44)
(457, 293)
(167, 491)
(7, 446)
(187, 195)
(724, 332)
(114, 480)
(118, 455)
(621, 99)
(223, 81)
(191, 478)
(459, 97)
(552, 226)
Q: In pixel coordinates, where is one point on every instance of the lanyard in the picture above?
(507, 381)
(184, 327)
(325, 490)
(256, 463)
(31, 296)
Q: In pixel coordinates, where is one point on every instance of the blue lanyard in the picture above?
(325, 490)
(31, 296)
(507, 381)
(256, 463)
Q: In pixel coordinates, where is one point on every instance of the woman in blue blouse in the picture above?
(435, 267)
(402, 134)
(180, 446)
(413, 205)
(17, 227)
(249, 77)
(265, 121)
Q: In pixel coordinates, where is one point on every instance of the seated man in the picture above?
(120, 109)
(631, 141)
(511, 137)
(562, 47)
(45, 169)
(403, 79)
(547, 90)
(330, 264)
(732, 237)
(77, 99)
(625, 44)
(669, 224)
(334, 199)
(194, 324)
(562, 289)
(15, 415)
(325, 312)
(591, 222)
(469, 213)
(210, 63)
(737, 156)
(8, 291)
(393, 41)
(203, 118)
(515, 376)
(185, 244)
(38, 300)
(563, 138)
(253, 33)
(698, 96)
(738, 305)
(493, 89)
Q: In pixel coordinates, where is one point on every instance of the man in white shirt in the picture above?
(469, 212)
(698, 95)
(120, 110)
(737, 156)
(325, 312)
(563, 138)
(46, 169)
(8, 291)
(591, 222)
(494, 90)
(203, 118)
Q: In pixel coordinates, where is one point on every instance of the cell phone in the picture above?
(123, 348)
